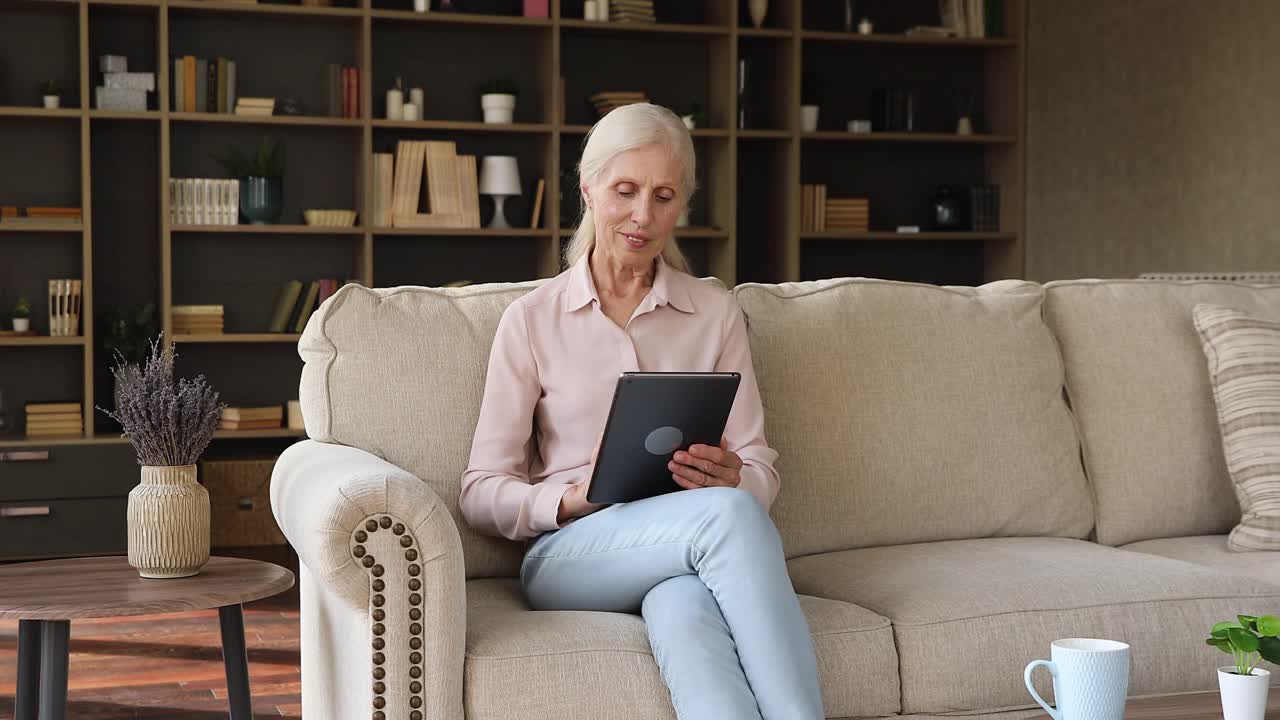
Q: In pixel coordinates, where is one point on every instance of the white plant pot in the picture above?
(22, 324)
(688, 122)
(809, 118)
(52, 101)
(498, 108)
(1244, 697)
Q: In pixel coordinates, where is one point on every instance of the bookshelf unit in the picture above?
(745, 221)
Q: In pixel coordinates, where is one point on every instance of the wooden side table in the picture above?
(46, 596)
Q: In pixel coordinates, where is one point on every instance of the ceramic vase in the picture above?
(758, 8)
(168, 522)
(1244, 697)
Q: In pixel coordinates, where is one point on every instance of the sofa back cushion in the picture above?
(1138, 383)
(399, 372)
(908, 413)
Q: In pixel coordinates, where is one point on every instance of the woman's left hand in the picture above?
(706, 466)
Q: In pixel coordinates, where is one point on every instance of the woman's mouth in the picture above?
(635, 241)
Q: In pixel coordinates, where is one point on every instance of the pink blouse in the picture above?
(552, 371)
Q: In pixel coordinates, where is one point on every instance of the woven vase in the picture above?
(168, 522)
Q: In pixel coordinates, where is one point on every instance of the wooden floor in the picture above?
(170, 666)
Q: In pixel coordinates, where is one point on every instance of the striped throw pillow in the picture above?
(1244, 369)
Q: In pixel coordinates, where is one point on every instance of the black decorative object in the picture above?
(946, 209)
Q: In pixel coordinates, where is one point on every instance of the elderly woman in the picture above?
(704, 565)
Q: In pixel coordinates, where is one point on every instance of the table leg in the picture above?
(236, 659)
(25, 702)
(55, 636)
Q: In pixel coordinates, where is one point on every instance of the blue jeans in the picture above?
(705, 568)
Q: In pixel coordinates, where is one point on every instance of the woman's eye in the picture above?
(665, 198)
(626, 193)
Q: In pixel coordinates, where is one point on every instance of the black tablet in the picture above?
(653, 415)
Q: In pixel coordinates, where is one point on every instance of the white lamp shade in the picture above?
(499, 175)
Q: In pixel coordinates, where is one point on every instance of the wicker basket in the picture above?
(330, 218)
(240, 503)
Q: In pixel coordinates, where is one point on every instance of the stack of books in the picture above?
(631, 11)
(813, 201)
(848, 215)
(984, 208)
(255, 106)
(204, 201)
(197, 320)
(251, 418)
(203, 84)
(606, 102)
(54, 419)
(39, 215)
(342, 90)
(64, 307)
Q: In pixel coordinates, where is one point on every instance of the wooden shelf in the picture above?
(297, 11)
(244, 229)
(40, 228)
(126, 3)
(41, 341)
(19, 440)
(957, 236)
(213, 338)
(699, 133)
(465, 232)
(296, 120)
(765, 134)
(465, 126)
(597, 26)
(152, 115)
(909, 137)
(924, 40)
(22, 111)
(282, 432)
(455, 18)
(750, 32)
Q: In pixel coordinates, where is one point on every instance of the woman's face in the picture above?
(636, 203)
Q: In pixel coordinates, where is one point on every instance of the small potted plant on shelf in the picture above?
(52, 93)
(696, 117)
(1244, 685)
(498, 100)
(21, 315)
(261, 177)
(169, 423)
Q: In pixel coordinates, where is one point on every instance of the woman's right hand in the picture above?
(573, 504)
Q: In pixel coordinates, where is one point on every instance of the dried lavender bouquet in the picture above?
(169, 422)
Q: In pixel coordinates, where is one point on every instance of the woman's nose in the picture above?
(642, 212)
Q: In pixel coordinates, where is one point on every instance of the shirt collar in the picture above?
(668, 287)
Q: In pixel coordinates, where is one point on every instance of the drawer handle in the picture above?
(24, 455)
(26, 511)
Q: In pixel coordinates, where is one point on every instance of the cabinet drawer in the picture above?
(60, 528)
(67, 471)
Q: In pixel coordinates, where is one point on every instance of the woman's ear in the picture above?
(586, 195)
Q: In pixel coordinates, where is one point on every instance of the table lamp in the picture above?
(499, 177)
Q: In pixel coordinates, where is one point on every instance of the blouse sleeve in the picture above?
(497, 497)
(745, 429)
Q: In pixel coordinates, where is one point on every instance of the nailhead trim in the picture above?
(378, 599)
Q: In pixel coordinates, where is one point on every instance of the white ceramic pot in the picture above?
(168, 523)
(809, 118)
(52, 101)
(498, 107)
(22, 324)
(688, 122)
(758, 9)
(1244, 697)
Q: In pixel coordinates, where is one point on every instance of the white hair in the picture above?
(627, 128)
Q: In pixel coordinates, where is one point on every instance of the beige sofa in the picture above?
(968, 474)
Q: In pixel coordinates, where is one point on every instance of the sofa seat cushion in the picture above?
(968, 615)
(595, 665)
(1212, 551)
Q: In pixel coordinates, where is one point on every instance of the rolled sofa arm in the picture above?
(381, 541)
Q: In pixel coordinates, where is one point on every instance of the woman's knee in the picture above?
(675, 598)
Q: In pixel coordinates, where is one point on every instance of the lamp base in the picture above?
(499, 221)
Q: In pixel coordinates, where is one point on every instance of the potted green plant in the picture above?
(498, 100)
(52, 93)
(1243, 685)
(21, 315)
(261, 176)
(169, 423)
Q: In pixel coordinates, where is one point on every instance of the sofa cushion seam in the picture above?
(1081, 607)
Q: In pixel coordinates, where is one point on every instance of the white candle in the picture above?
(395, 104)
(415, 97)
(410, 112)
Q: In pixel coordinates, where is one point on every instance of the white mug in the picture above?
(808, 118)
(1090, 679)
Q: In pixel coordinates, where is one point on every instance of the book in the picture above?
(537, 204)
(255, 412)
(287, 298)
(52, 407)
(383, 180)
(307, 306)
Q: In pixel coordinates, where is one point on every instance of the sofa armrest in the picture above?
(382, 542)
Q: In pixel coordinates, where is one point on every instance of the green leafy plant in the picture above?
(50, 87)
(266, 161)
(126, 332)
(699, 115)
(1249, 640)
(499, 86)
(22, 308)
